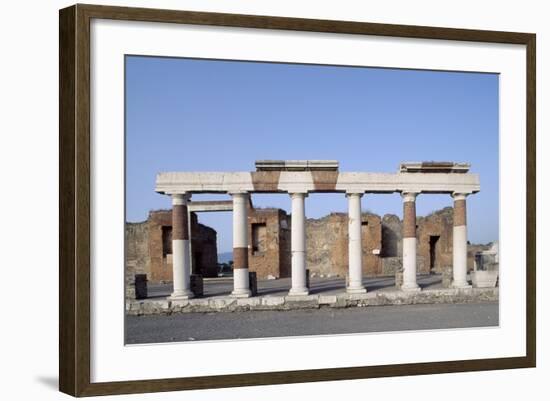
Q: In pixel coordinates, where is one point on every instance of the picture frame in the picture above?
(76, 201)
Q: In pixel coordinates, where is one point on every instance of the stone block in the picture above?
(399, 278)
(140, 283)
(484, 278)
(197, 286)
(447, 276)
(249, 301)
(221, 303)
(327, 299)
(253, 283)
(273, 301)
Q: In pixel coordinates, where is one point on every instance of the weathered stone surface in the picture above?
(398, 278)
(447, 276)
(250, 302)
(149, 247)
(289, 180)
(228, 304)
(273, 301)
(269, 233)
(136, 241)
(327, 245)
(327, 299)
(305, 304)
(221, 303)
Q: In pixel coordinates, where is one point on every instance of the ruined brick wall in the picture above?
(160, 238)
(434, 234)
(148, 244)
(149, 247)
(263, 234)
(136, 248)
(392, 245)
(204, 248)
(136, 253)
(324, 245)
(327, 245)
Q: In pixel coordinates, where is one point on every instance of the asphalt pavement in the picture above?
(263, 324)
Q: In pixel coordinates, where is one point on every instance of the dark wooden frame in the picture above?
(74, 199)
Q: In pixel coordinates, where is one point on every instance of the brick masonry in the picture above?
(240, 258)
(148, 245)
(460, 212)
(269, 233)
(409, 220)
(327, 244)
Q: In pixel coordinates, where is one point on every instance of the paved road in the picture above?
(224, 286)
(255, 324)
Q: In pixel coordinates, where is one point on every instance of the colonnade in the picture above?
(241, 285)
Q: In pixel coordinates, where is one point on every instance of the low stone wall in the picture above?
(228, 304)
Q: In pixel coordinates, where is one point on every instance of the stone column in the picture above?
(409, 242)
(189, 219)
(355, 248)
(460, 246)
(180, 248)
(298, 245)
(241, 285)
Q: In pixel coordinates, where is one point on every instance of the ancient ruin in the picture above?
(269, 251)
(430, 247)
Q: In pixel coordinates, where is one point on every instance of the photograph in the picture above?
(274, 199)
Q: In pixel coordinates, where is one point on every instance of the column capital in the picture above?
(459, 195)
(233, 193)
(352, 193)
(409, 196)
(180, 199)
(298, 194)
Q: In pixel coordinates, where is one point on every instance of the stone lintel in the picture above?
(296, 165)
(210, 206)
(434, 167)
(308, 181)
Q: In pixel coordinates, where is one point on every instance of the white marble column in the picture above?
(180, 248)
(298, 245)
(241, 284)
(460, 244)
(409, 242)
(355, 248)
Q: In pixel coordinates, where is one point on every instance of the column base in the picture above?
(298, 292)
(356, 290)
(241, 294)
(181, 296)
(460, 285)
(411, 288)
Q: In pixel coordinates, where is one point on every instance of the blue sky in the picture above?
(210, 115)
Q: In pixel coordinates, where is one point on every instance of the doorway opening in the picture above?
(433, 252)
